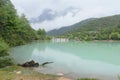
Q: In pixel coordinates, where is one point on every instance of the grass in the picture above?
(87, 79)
(19, 73)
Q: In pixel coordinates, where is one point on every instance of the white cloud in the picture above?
(88, 9)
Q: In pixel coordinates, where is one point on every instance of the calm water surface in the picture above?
(74, 59)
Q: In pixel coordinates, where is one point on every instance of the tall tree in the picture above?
(15, 30)
(41, 34)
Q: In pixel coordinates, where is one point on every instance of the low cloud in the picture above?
(49, 14)
(46, 15)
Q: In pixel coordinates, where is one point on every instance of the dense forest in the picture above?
(106, 28)
(14, 31)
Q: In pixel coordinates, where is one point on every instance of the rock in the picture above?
(43, 64)
(29, 64)
(19, 72)
(36, 65)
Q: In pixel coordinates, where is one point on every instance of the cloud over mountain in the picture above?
(49, 14)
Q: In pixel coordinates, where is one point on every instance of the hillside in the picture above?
(66, 29)
(93, 24)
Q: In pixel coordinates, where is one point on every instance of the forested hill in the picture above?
(89, 25)
(67, 28)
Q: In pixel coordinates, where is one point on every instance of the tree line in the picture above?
(103, 34)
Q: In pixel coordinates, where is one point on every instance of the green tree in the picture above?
(41, 34)
(25, 30)
(14, 30)
(115, 36)
(4, 53)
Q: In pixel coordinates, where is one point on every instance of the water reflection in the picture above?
(81, 58)
(71, 63)
(22, 54)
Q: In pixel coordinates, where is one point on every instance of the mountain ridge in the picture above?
(91, 24)
(67, 28)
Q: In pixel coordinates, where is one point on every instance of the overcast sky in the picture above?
(51, 14)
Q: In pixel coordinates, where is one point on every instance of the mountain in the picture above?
(92, 24)
(65, 29)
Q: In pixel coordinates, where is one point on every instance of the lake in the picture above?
(73, 58)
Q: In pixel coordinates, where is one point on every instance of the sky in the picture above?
(53, 14)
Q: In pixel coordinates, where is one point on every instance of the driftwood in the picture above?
(29, 64)
(33, 64)
(43, 64)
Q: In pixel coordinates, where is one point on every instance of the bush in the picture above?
(5, 62)
(4, 53)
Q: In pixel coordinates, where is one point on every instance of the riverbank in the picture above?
(20, 73)
(106, 40)
(73, 76)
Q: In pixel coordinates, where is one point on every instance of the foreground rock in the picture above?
(29, 64)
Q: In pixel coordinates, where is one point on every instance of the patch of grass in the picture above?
(10, 73)
(12, 68)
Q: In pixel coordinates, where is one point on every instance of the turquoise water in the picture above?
(74, 59)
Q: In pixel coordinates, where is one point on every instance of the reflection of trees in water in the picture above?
(23, 53)
(41, 46)
(100, 51)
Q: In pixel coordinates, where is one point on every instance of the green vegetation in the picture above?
(87, 79)
(4, 52)
(41, 35)
(106, 28)
(19, 73)
(14, 31)
(104, 34)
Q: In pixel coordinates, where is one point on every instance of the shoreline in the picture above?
(107, 40)
(21, 73)
(75, 76)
